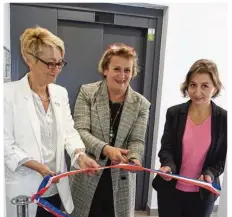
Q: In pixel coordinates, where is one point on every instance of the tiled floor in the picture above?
(142, 214)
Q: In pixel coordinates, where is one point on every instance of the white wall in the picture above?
(191, 31)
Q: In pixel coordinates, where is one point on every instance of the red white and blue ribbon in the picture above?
(48, 180)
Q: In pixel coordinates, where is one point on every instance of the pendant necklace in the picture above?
(111, 133)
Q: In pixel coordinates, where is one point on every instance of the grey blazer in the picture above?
(92, 120)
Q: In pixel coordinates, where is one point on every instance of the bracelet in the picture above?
(76, 156)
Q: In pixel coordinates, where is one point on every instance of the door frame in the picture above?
(141, 18)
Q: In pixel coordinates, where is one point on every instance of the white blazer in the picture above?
(22, 139)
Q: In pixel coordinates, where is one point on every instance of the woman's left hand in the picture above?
(136, 163)
(206, 178)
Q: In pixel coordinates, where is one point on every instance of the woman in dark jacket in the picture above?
(194, 144)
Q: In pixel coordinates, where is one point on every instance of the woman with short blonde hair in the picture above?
(38, 126)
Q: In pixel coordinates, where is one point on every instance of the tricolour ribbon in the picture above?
(48, 180)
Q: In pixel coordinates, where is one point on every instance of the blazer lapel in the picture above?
(56, 106)
(214, 129)
(31, 110)
(181, 128)
(102, 101)
(129, 113)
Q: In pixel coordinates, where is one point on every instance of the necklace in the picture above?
(112, 122)
(44, 98)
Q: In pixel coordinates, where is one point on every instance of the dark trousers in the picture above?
(54, 200)
(175, 203)
(103, 203)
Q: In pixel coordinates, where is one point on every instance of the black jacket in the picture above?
(170, 153)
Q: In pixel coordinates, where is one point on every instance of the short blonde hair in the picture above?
(34, 39)
(203, 66)
(118, 49)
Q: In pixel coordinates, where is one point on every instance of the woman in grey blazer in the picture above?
(111, 119)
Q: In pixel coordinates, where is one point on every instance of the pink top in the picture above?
(196, 142)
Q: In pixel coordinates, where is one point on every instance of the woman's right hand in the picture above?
(166, 169)
(116, 154)
(45, 171)
(40, 168)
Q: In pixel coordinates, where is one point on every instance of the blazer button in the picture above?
(123, 177)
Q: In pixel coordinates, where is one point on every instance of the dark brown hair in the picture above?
(203, 66)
